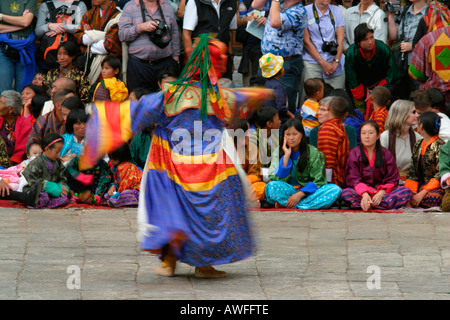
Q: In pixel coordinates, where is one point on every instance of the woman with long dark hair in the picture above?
(371, 174)
(297, 172)
(424, 177)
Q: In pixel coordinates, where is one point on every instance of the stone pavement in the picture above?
(75, 254)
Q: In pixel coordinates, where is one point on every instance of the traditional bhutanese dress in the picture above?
(424, 171)
(191, 193)
(361, 178)
(127, 179)
(286, 181)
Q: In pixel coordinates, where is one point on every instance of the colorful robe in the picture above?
(424, 169)
(430, 62)
(97, 21)
(379, 116)
(333, 142)
(191, 193)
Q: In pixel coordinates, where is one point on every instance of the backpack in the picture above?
(48, 47)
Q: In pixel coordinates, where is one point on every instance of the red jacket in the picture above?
(21, 133)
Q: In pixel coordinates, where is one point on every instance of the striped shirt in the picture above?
(139, 44)
(379, 116)
(309, 112)
(45, 124)
(333, 143)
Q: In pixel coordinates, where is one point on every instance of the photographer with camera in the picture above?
(150, 29)
(403, 35)
(323, 44)
(366, 11)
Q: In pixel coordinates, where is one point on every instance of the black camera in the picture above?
(161, 35)
(392, 6)
(330, 46)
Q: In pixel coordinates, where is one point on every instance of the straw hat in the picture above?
(270, 64)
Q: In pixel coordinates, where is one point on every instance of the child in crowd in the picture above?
(33, 150)
(379, 99)
(109, 87)
(167, 75)
(272, 70)
(124, 191)
(39, 77)
(137, 93)
(314, 93)
(423, 178)
(372, 176)
(333, 141)
(48, 170)
(13, 175)
(265, 136)
(249, 159)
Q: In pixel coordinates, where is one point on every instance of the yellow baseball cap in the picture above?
(270, 64)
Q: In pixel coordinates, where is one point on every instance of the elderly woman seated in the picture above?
(14, 128)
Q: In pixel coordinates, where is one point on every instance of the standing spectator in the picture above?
(14, 129)
(283, 36)
(210, 16)
(369, 63)
(366, 11)
(17, 61)
(146, 59)
(405, 32)
(430, 68)
(98, 36)
(57, 21)
(324, 43)
(251, 45)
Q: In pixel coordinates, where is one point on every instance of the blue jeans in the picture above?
(11, 72)
(291, 80)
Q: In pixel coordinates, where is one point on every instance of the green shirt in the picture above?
(16, 8)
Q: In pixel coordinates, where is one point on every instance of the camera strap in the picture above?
(141, 3)
(316, 17)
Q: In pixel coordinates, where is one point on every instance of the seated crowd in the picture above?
(355, 132)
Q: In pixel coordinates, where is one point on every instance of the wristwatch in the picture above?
(336, 60)
(276, 0)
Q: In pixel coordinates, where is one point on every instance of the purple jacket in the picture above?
(367, 178)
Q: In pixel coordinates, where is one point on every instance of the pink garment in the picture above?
(13, 174)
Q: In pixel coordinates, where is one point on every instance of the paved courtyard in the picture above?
(79, 254)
